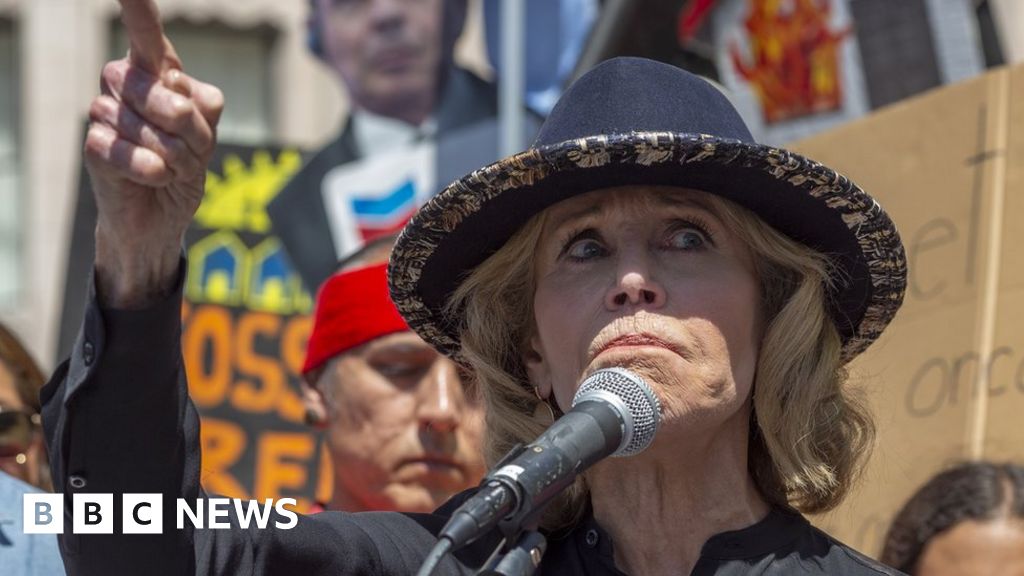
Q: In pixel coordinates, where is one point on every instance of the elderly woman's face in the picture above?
(650, 279)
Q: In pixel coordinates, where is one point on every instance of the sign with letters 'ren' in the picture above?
(946, 381)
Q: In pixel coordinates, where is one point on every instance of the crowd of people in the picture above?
(644, 229)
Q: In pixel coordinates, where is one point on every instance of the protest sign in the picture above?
(245, 322)
(946, 380)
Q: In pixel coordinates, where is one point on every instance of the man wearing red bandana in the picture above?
(402, 423)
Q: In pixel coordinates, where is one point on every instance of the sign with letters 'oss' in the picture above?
(245, 322)
(245, 326)
(946, 381)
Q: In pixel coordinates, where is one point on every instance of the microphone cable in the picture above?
(437, 553)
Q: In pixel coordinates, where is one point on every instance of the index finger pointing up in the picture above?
(150, 49)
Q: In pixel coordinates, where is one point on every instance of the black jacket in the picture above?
(118, 419)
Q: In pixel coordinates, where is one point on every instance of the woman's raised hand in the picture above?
(152, 132)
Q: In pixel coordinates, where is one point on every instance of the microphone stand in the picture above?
(522, 559)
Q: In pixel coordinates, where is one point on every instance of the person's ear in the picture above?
(538, 370)
(314, 401)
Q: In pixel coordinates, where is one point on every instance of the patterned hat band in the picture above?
(705, 147)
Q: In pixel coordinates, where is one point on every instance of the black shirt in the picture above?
(118, 419)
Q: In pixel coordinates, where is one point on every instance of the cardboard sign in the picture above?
(946, 380)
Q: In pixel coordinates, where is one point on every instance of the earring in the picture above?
(312, 418)
(543, 402)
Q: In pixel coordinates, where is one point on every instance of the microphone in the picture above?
(614, 413)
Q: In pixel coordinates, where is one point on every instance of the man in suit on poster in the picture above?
(395, 59)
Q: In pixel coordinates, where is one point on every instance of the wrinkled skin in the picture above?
(403, 430)
(650, 279)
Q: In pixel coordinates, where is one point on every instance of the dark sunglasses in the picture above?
(17, 429)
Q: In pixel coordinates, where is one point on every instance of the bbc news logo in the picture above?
(144, 513)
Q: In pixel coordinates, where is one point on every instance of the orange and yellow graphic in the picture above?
(794, 57)
(245, 323)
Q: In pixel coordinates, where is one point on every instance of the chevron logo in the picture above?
(386, 214)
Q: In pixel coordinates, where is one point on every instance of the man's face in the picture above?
(388, 52)
(403, 428)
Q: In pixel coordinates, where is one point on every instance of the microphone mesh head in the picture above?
(638, 398)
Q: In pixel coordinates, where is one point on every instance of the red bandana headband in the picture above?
(352, 308)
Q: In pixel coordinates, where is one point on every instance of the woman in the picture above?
(629, 237)
(965, 521)
(22, 453)
(645, 229)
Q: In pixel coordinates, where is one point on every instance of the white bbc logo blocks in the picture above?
(142, 514)
(92, 513)
(43, 513)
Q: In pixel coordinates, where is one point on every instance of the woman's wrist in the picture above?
(134, 275)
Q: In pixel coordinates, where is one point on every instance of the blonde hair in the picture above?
(809, 432)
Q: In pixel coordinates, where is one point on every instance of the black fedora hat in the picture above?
(637, 121)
